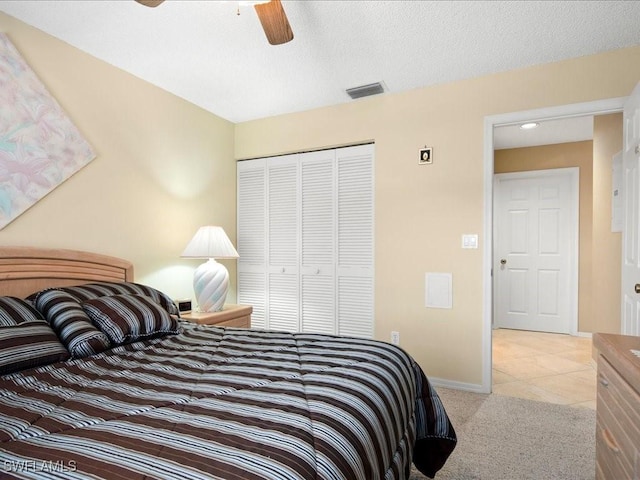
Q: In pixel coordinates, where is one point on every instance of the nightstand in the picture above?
(231, 315)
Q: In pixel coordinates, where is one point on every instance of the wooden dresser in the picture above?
(618, 407)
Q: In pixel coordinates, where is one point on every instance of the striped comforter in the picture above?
(216, 403)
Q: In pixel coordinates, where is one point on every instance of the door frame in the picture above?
(598, 107)
(573, 174)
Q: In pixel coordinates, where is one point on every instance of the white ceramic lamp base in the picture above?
(210, 284)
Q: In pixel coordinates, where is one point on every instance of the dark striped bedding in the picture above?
(216, 403)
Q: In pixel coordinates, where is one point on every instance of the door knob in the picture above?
(637, 288)
(503, 261)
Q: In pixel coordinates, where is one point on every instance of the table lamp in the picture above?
(211, 279)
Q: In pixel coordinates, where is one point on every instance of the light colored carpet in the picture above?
(504, 438)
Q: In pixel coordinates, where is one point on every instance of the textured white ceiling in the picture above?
(574, 129)
(204, 52)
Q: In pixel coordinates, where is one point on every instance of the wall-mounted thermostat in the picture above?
(426, 156)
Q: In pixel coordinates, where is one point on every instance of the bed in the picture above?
(135, 393)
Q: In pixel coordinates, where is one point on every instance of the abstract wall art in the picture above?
(39, 145)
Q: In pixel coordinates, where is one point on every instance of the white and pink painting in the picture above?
(39, 145)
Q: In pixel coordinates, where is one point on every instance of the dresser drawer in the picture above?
(615, 454)
(618, 424)
(239, 322)
(612, 385)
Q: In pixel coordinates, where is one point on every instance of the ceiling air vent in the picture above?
(365, 90)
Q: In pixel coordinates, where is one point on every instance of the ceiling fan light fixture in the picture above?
(365, 90)
(150, 3)
(274, 22)
(251, 3)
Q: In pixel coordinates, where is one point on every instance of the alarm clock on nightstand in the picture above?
(184, 305)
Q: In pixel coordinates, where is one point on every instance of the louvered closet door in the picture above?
(317, 270)
(309, 219)
(355, 241)
(252, 198)
(283, 292)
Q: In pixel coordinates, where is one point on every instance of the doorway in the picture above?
(590, 108)
(536, 239)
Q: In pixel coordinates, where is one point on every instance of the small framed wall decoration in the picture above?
(426, 156)
(40, 147)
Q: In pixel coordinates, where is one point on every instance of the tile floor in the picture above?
(545, 367)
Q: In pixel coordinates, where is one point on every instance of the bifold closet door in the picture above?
(317, 225)
(355, 230)
(305, 239)
(252, 234)
(283, 212)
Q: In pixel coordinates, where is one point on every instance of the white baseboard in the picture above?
(584, 334)
(468, 387)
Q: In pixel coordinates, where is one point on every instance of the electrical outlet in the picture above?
(395, 338)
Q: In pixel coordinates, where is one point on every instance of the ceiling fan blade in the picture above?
(274, 22)
(150, 3)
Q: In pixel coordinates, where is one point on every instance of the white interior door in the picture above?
(535, 259)
(631, 227)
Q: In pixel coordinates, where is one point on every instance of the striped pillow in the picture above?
(29, 344)
(14, 311)
(127, 318)
(90, 291)
(66, 316)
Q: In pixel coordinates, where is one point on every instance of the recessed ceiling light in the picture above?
(529, 126)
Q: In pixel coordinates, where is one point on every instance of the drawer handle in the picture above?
(611, 443)
(604, 382)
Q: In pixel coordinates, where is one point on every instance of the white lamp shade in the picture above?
(210, 242)
(211, 279)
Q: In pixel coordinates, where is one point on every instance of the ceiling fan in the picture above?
(271, 14)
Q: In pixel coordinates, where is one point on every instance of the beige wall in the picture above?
(422, 211)
(164, 167)
(607, 246)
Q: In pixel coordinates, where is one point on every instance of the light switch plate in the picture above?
(470, 240)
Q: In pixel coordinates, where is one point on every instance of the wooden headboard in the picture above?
(24, 270)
